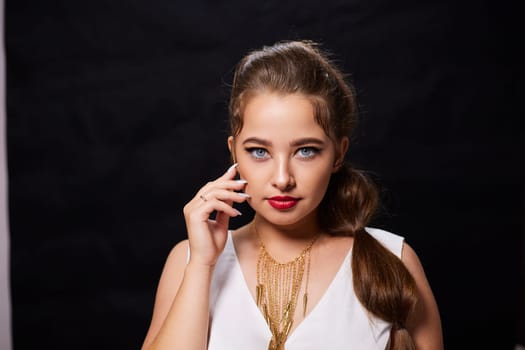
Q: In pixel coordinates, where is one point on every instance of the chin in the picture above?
(283, 218)
(283, 222)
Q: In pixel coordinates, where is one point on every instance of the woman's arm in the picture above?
(181, 312)
(424, 324)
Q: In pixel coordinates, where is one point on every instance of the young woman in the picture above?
(306, 272)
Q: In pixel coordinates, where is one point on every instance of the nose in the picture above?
(283, 178)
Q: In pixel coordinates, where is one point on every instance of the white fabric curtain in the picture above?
(5, 306)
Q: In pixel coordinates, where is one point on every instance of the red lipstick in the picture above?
(283, 202)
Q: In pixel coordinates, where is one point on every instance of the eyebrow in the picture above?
(295, 143)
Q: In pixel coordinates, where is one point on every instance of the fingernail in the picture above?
(242, 194)
(232, 167)
(238, 212)
(241, 181)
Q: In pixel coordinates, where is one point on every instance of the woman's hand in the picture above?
(207, 237)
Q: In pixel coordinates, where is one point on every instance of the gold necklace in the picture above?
(277, 291)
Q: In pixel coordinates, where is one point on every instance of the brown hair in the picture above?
(382, 283)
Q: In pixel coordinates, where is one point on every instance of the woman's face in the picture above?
(285, 156)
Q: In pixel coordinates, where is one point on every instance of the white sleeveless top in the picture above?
(337, 322)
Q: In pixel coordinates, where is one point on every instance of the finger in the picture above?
(232, 185)
(224, 209)
(224, 181)
(224, 195)
(203, 206)
(230, 172)
(222, 219)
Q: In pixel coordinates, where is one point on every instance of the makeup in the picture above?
(283, 202)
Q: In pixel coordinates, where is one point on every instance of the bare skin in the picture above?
(327, 256)
(424, 325)
(273, 161)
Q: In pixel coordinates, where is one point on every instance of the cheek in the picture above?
(323, 184)
(256, 177)
(244, 172)
(241, 163)
(320, 181)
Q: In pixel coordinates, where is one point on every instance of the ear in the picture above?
(231, 147)
(341, 148)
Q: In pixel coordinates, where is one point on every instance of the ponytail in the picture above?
(381, 281)
(400, 339)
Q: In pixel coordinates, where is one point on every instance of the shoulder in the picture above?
(413, 264)
(167, 287)
(398, 246)
(389, 240)
(424, 323)
(179, 254)
(172, 274)
(174, 267)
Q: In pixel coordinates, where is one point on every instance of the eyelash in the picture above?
(252, 150)
(313, 150)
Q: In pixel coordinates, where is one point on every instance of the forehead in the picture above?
(278, 116)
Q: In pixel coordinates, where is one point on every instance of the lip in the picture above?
(283, 202)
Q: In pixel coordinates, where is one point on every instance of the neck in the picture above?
(284, 243)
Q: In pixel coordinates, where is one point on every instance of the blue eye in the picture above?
(258, 153)
(307, 152)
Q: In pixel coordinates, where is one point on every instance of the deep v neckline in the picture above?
(322, 300)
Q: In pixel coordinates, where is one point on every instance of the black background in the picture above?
(117, 115)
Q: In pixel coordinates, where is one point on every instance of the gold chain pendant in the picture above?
(277, 291)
